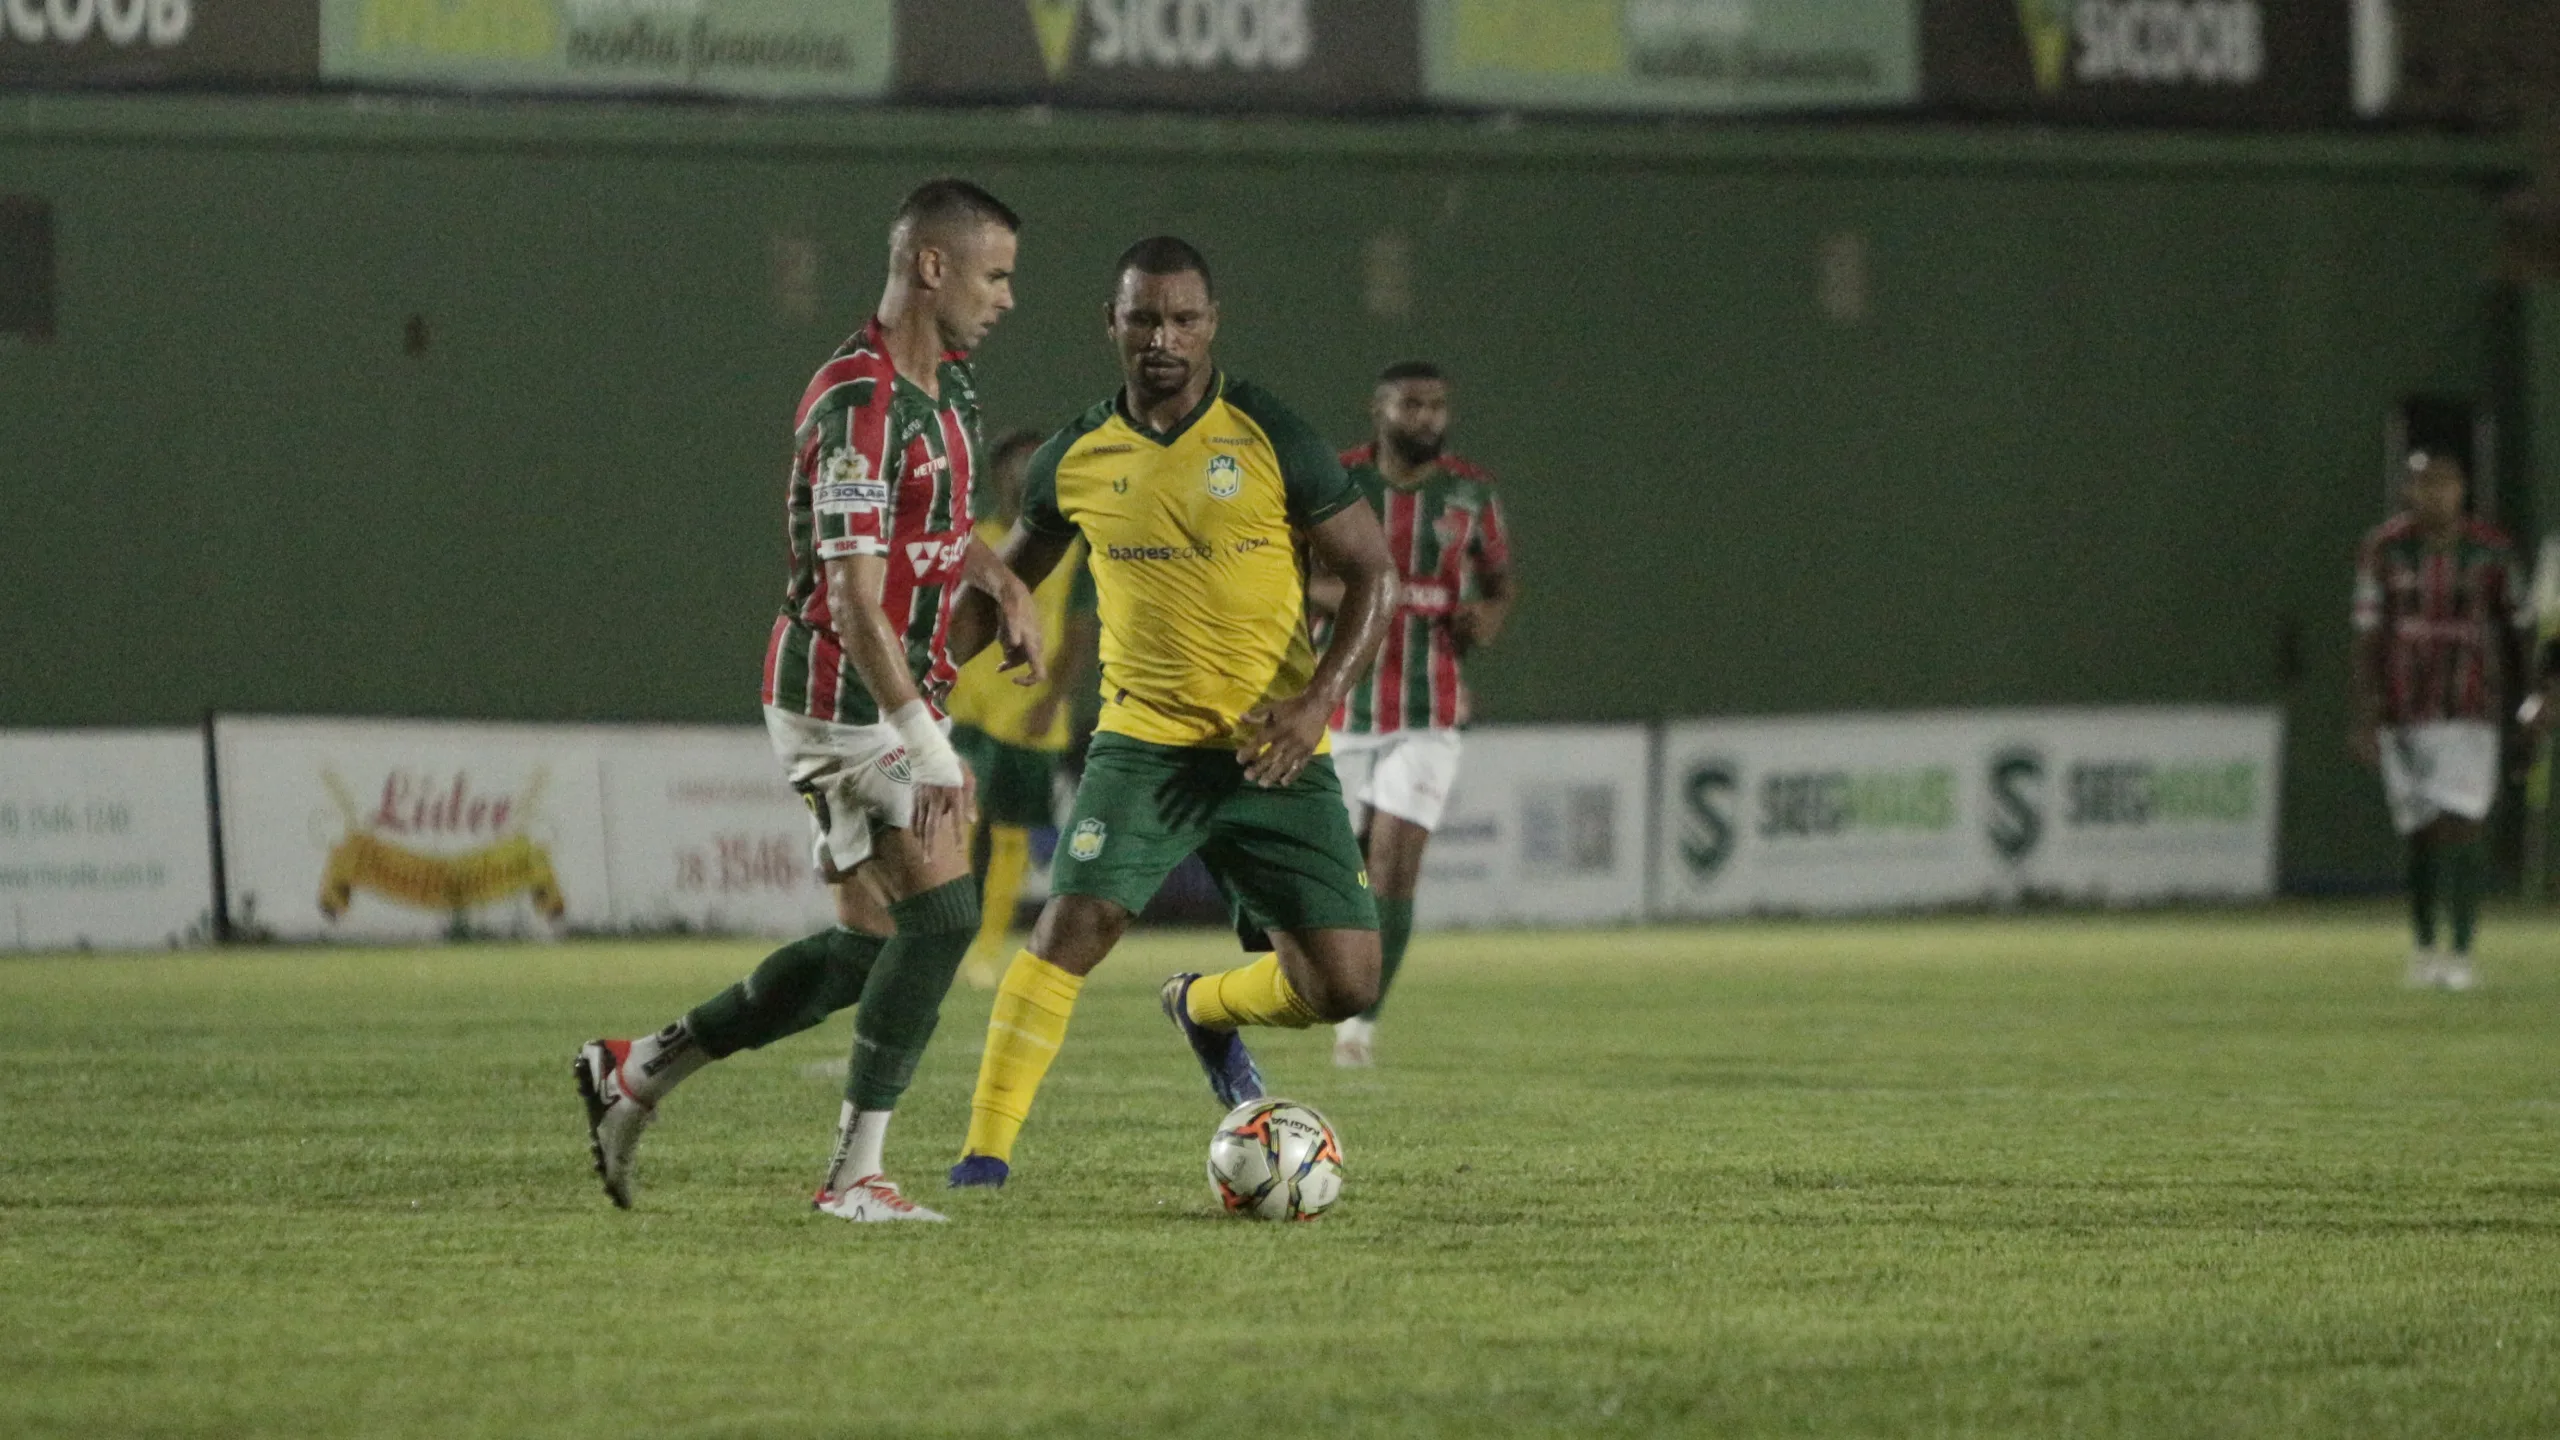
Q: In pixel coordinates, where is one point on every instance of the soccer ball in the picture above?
(1275, 1160)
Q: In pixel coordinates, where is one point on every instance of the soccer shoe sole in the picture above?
(1212, 1048)
(617, 1187)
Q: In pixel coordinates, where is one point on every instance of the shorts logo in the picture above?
(1226, 477)
(1087, 843)
(895, 766)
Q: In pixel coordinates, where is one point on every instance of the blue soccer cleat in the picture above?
(976, 1171)
(1229, 1066)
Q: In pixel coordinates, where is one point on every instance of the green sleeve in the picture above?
(1317, 486)
(1040, 513)
(1081, 597)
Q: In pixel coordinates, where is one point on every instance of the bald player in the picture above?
(1192, 487)
(877, 513)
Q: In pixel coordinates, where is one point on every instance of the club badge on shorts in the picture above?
(1088, 840)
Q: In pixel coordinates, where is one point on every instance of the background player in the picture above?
(1191, 488)
(1395, 739)
(1012, 735)
(886, 457)
(2436, 648)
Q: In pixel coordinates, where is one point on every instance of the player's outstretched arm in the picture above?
(854, 586)
(1280, 738)
(987, 609)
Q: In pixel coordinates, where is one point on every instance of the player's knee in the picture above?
(1343, 992)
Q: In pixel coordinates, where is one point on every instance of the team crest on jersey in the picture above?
(846, 467)
(1226, 477)
(1087, 843)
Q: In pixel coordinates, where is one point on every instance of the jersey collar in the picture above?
(1208, 397)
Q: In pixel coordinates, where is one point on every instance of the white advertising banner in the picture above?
(104, 840)
(410, 830)
(1844, 813)
(1545, 826)
(702, 833)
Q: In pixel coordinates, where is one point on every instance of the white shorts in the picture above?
(2445, 767)
(1407, 774)
(854, 779)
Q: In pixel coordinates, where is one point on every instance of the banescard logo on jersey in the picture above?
(1226, 477)
(1174, 34)
(122, 23)
(2144, 42)
(431, 842)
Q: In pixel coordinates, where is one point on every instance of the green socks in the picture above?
(2465, 869)
(1395, 930)
(902, 1000)
(2422, 891)
(797, 986)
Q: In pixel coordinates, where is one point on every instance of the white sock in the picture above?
(859, 1135)
(660, 1062)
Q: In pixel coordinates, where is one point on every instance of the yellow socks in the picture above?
(1257, 994)
(1008, 856)
(1024, 1032)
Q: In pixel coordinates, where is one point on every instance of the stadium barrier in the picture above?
(265, 828)
(103, 840)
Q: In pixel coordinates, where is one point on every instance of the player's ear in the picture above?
(931, 265)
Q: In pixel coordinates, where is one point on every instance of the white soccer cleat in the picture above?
(869, 1199)
(2454, 973)
(615, 1117)
(1355, 1044)
(2426, 969)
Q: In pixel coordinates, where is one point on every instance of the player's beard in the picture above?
(1416, 449)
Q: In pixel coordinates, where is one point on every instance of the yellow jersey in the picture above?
(985, 697)
(1194, 554)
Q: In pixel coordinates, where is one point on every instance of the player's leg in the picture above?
(2462, 781)
(1014, 788)
(621, 1082)
(1288, 860)
(1028, 1026)
(1139, 809)
(1407, 794)
(2412, 815)
(933, 907)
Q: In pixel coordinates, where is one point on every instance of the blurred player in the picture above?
(1192, 487)
(1014, 735)
(878, 515)
(2437, 649)
(1395, 739)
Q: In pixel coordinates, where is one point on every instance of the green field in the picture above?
(2175, 1176)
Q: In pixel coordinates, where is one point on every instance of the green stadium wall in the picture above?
(1789, 419)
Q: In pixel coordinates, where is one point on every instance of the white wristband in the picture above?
(929, 754)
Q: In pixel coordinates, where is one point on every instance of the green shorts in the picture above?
(1013, 782)
(1285, 859)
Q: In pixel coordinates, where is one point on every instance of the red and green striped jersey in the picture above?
(2438, 609)
(1446, 535)
(879, 468)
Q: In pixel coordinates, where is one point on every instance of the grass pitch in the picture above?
(2153, 1176)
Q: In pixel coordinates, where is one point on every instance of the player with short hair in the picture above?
(884, 472)
(1014, 736)
(2437, 647)
(1193, 489)
(1395, 739)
